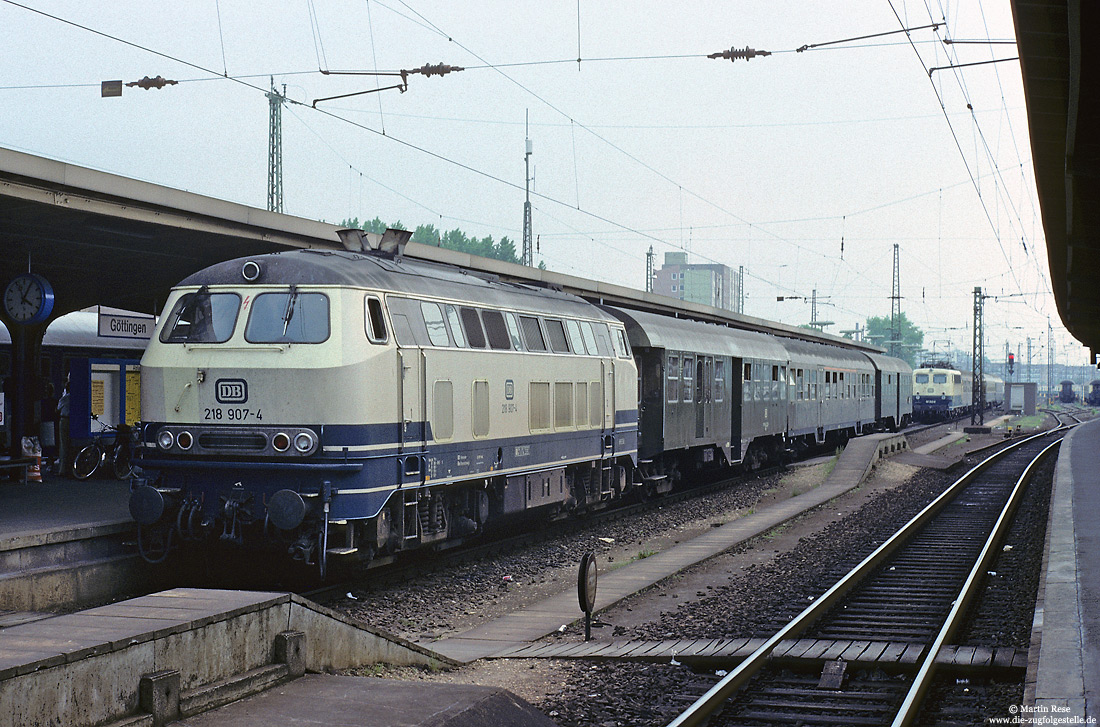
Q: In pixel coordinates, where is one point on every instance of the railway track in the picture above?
(912, 591)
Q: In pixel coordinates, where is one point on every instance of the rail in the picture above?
(714, 699)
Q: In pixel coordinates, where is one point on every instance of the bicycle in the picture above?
(101, 449)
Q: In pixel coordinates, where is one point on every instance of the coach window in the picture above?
(687, 374)
(575, 338)
(376, 322)
(456, 326)
(292, 317)
(719, 379)
(202, 317)
(496, 330)
(673, 385)
(555, 331)
(532, 334)
(800, 385)
(433, 319)
(513, 331)
(471, 324)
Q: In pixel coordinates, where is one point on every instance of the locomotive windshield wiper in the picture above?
(291, 301)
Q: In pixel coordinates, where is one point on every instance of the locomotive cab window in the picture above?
(939, 378)
(202, 317)
(589, 338)
(922, 378)
(376, 323)
(513, 331)
(292, 317)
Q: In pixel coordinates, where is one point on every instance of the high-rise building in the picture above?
(709, 284)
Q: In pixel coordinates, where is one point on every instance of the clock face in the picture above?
(28, 299)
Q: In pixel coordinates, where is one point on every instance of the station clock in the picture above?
(28, 299)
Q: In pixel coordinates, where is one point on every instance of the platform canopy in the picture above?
(1062, 87)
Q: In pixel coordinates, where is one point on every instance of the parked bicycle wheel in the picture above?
(87, 461)
(124, 468)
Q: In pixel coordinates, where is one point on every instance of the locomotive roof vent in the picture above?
(251, 271)
(390, 244)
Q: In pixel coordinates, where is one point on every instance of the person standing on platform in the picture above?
(64, 440)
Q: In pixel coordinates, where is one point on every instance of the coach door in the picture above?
(704, 376)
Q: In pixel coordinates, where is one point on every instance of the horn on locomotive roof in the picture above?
(390, 244)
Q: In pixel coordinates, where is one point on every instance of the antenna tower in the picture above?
(649, 270)
(275, 102)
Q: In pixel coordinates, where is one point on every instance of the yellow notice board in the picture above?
(98, 397)
(133, 397)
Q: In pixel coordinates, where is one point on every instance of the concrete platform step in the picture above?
(190, 647)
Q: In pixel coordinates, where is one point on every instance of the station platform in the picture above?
(64, 541)
(1064, 668)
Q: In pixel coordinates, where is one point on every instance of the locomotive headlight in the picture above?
(303, 442)
(280, 442)
(165, 440)
(184, 440)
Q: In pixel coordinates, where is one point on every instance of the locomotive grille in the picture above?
(233, 440)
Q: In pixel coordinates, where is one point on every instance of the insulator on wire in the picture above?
(745, 53)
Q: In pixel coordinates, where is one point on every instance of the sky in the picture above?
(806, 168)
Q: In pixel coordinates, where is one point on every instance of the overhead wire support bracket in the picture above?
(933, 69)
(428, 69)
(933, 26)
(734, 53)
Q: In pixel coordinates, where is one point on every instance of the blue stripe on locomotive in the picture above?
(362, 482)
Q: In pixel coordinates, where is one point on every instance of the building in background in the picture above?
(708, 284)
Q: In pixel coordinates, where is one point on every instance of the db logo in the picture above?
(231, 391)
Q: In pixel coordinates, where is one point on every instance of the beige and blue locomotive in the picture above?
(940, 392)
(347, 403)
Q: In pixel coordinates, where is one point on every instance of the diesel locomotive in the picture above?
(361, 403)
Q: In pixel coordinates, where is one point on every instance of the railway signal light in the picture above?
(1011, 362)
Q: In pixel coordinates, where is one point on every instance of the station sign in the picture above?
(115, 325)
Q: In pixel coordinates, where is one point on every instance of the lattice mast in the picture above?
(977, 397)
(895, 306)
(528, 242)
(275, 102)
